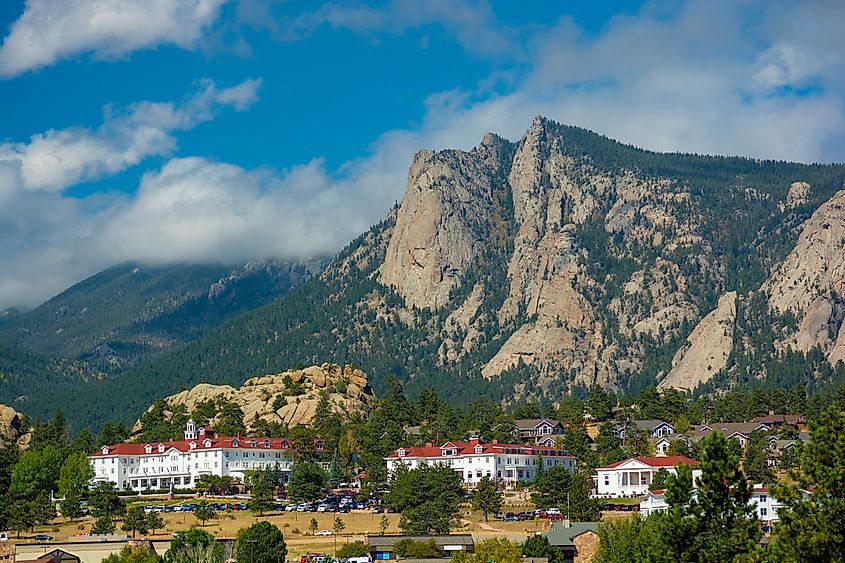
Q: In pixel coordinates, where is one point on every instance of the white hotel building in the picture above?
(180, 463)
(765, 505)
(506, 464)
(632, 477)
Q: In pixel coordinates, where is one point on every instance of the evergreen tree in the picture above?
(155, 522)
(103, 525)
(487, 498)
(756, 456)
(307, 482)
(261, 495)
(135, 521)
(558, 488)
(262, 542)
(428, 497)
(71, 506)
(105, 501)
(717, 524)
(539, 546)
(813, 508)
(203, 512)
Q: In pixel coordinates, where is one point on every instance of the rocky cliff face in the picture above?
(707, 348)
(810, 282)
(550, 201)
(13, 428)
(346, 389)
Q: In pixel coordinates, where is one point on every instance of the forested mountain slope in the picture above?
(129, 313)
(537, 268)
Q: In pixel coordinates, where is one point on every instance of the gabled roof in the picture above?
(649, 424)
(530, 423)
(243, 443)
(728, 428)
(664, 461)
(563, 536)
(468, 448)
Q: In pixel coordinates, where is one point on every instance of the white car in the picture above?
(323, 533)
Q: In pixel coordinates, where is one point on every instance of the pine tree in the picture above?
(155, 522)
(813, 509)
(261, 495)
(487, 498)
(135, 521)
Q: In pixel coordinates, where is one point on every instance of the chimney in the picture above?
(429, 445)
(495, 441)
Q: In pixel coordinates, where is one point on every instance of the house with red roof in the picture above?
(631, 477)
(176, 464)
(507, 464)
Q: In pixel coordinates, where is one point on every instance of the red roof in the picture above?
(665, 461)
(468, 448)
(244, 443)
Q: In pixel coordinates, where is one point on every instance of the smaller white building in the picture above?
(507, 464)
(765, 505)
(632, 477)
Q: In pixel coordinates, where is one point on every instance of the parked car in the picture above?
(377, 510)
(323, 533)
(42, 537)
(290, 508)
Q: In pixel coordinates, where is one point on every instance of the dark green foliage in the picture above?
(718, 524)
(428, 498)
(539, 546)
(308, 482)
(487, 498)
(155, 521)
(103, 500)
(135, 521)
(659, 480)
(558, 488)
(263, 542)
(415, 549)
(353, 549)
(810, 527)
(121, 316)
(261, 495)
(104, 525)
(191, 539)
(756, 453)
(130, 554)
(203, 512)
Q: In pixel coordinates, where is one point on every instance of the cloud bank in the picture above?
(50, 30)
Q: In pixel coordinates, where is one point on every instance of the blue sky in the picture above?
(215, 130)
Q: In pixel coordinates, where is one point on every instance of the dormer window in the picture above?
(105, 450)
(448, 451)
(207, 443)
(401, 452)
(266, 443)
(252, 443)
(192, 446)
(148, 449)
(285, 445)
(161, 448)
(478, 449)
(235, 444)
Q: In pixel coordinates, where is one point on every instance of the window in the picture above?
(607, 480)
(763, 511)
(762, 499)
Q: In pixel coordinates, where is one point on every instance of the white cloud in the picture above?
(52, 30)
(57, 159)
(689, 80)
(472, 23)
